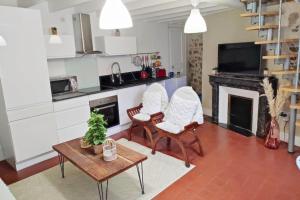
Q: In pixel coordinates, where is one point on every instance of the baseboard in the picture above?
(27, 163)
(207, 111)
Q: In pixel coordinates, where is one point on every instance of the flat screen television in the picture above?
(240, 58)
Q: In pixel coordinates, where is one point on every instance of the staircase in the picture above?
(281, 51)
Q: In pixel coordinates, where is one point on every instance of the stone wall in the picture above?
(194, 59)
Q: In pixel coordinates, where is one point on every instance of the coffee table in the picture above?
(98, 169)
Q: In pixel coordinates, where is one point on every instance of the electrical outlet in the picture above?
(284, 116)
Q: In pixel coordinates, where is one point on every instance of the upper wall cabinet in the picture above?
(115, 46)
(64, 50)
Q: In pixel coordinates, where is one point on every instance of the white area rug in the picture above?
(160, 171)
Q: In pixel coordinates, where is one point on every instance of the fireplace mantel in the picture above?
(240, 82)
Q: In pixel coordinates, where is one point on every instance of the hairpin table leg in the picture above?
(62, 164)
(141, 176)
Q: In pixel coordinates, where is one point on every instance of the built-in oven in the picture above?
(108, 107)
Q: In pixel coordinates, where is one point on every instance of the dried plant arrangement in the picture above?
(277, 102)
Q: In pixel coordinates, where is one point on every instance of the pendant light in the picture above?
(195, 23)
(2, 42)
(114, 15)
(54, 37)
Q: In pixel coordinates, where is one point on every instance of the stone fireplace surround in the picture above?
(220, 82)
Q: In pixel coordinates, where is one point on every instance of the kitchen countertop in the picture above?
(96, 90)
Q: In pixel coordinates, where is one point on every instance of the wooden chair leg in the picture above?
(155, 144)
(168, 143)
(185, 157)
(199, 144)
(144, 133)
(130, 131)
(149, 134)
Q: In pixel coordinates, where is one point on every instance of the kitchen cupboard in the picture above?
(23, 62)
(128, 98)
(27, 121)
(114, 46)
(71, 118)
(33, 136)
(64, 50)
(173, 84)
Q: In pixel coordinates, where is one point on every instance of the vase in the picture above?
(98, 149)
(273, 134)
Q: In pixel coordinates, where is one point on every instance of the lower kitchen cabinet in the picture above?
(72, 132)
(128, 98)
(33, 136)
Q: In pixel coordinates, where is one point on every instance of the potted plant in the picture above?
(96, 134)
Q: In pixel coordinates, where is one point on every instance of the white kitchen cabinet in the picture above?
(72, 132)
(23, 62)
(128, 98)
(173, 84)
(33, 136)
(115, 46)
(64, 50)
(72, 117)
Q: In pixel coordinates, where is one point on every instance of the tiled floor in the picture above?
(234, 167)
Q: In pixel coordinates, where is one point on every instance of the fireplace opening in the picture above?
(240, 114)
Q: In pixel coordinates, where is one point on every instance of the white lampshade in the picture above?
(2, 41)
(55, 39)
(114, 15)
(195, 23)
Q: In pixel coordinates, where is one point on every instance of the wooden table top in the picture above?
(94, 165)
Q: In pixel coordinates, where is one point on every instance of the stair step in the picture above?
(266, 26)
(295, 106)
(283, 72)
(291, 40)
(290, 89)
(267, 14)
(264, 1)
(297, 123)
(283, 56)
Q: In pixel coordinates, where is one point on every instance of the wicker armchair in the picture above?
(144, 119)
(171, 131)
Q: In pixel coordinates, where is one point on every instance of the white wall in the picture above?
(151, 37)
(226, 27)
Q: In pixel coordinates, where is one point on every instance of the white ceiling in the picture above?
(171, 11)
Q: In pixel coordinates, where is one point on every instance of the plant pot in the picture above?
(98, 149)
(84, 144)
(273, 134)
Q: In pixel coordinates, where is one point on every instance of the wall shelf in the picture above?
(283, 72)
(283, 56)
(290, 88)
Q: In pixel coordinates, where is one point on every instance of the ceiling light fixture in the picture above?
(114, 15)
(195, 23)
(54, 37)
(2, 41)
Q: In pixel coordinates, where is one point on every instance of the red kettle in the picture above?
(144, 75)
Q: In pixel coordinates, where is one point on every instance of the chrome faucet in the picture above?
(118, 75)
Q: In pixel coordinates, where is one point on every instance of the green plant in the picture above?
(97, 129)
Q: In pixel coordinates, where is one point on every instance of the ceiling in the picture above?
(170, 11)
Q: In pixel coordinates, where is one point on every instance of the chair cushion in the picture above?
(142, 117)
(181, 111)
(151, 103)
(170, 127)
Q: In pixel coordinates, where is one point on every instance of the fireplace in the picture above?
(249, 88)
(240, 113)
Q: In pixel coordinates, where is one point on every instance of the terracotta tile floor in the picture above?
(234, 168)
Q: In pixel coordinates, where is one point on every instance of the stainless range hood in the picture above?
(83, 34)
